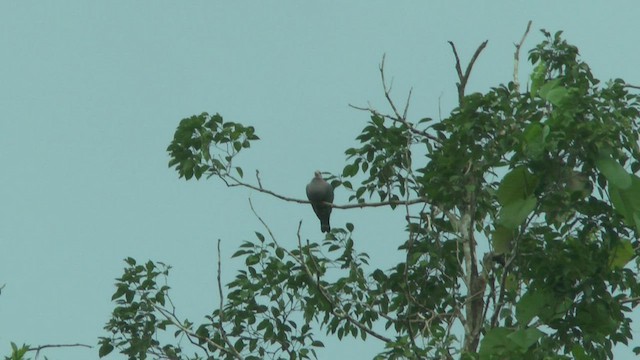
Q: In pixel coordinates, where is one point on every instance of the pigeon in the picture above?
(318, 192)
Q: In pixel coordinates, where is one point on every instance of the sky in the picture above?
(91, 93)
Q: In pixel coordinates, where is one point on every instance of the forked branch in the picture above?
(464, 77)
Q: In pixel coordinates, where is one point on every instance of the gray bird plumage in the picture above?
(318, 192)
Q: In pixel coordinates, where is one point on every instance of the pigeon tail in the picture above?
(325, 227)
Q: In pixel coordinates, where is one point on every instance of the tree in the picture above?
(522, 215)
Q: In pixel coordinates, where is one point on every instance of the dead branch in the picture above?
(516, 58)
(464, 78)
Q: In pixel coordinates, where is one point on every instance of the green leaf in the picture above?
(252, 260)
(537, 78)
(122, 288)
(578, 353)
(105, 349)
(525, 338)
(534, 139)
(627, 201)
(377, 120)
(515, 213)
(557, 95)
(621, 254)
(501, 239)
(264, 324)
(548, 86)
(495, 343)
(541, 303)
(530, 305)
(517, 185)
(614, 172)
(279, 253)
(350, 170)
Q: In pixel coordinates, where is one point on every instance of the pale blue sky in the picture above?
(91, 92)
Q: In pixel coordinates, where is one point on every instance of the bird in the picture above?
(320, 192)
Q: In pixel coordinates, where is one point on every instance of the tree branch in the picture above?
(223, 333)
(516, 58)
(464, 78)
(237, 182)
(631, 300)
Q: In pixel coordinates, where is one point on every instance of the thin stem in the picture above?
(223, 333)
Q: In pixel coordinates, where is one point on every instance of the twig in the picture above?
(406, 105)
(387, 90)
(41, 347)
(263, 222)
(258, 178)
(516, 58)
(628, 300)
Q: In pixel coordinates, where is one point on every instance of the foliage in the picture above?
(523, 214)
(18, 353)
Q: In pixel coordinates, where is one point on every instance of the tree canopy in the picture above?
(522, 217)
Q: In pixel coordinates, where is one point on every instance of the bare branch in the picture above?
(464, 78)
(516, 58)
(458, 67)
(263, 222)
(387, 90)
(406, 105)
(37, 349)
(258, 178)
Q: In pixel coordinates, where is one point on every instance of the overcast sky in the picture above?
(91, 93)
